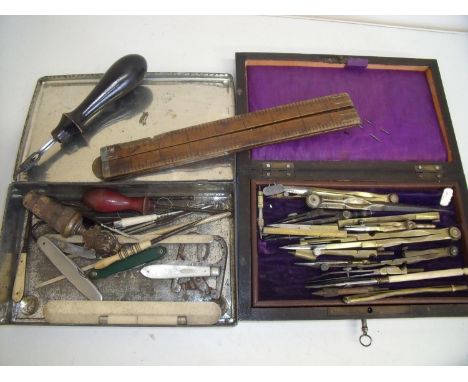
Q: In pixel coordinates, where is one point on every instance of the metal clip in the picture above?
(365, 339)
(428, 171)
(271, 169)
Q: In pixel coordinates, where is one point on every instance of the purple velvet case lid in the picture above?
(396, 107)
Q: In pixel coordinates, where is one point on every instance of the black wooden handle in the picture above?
(121, 78)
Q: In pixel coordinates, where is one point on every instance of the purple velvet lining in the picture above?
(398, 102)
(280, 279)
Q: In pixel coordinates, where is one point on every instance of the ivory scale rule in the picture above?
(226, 136)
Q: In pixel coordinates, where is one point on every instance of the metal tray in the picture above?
(165, 102)
(126, 286)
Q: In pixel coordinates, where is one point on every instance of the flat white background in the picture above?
(36, 46)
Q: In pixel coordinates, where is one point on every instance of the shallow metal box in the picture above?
(164, 102)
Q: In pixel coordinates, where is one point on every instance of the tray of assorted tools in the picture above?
(84, 246)
(157, 249)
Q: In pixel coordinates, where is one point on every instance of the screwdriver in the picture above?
(107, 200)
(120, 79)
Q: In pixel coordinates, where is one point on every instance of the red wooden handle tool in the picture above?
(107, 200)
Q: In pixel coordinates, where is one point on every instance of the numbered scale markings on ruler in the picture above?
(218, 138)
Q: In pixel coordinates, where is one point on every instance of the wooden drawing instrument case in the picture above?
(406, 145)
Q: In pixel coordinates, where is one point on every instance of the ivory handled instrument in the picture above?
(20, 276)
(378, 295)
(170, 313)
(452, 272)
(18, 286)
(345, 275)
(430, 216)
(134, 220)
(176, 239)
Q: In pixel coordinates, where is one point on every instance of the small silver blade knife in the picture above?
(69, 269)
(176, 271)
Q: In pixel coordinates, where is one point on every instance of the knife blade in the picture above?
(74, 250)
(69, 269)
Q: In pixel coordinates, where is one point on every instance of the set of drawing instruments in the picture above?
(363, 246)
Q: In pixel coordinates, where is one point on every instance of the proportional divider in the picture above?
(226, 136)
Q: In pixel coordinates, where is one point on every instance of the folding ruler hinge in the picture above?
(273, 169)
(428, 171)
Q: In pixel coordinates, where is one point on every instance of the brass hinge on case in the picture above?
(274, 169)
(428, 171)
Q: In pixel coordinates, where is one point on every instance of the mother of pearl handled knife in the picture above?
(176, 271)
(69, 269)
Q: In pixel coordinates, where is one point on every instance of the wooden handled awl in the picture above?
(121, 78)
(226, 136)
